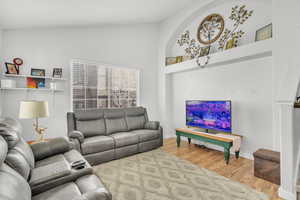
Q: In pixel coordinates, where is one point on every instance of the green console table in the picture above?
(226, 143)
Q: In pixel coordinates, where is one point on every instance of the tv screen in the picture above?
(212, 115)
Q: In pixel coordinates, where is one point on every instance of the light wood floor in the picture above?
(240, 170)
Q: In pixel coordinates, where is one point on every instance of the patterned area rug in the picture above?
(157, 175)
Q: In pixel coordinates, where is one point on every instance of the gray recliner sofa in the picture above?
(105, 134)
(43, 171)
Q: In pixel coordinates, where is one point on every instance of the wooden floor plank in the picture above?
(240, 170)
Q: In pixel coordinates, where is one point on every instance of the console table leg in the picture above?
(178, 140)
(226, 155)
(237, 154)
(189, 139)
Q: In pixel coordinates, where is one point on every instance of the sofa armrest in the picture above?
(49, 172)
(49, 148)
(76, 135)
(152, 125)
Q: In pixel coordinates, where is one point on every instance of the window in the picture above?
(100, 86)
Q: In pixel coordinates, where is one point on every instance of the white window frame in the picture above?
(90, 62)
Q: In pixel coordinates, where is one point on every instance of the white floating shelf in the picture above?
(239, 54)
(33, 89)
(29, 76)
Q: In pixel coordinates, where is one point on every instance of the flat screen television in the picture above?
(210, 115)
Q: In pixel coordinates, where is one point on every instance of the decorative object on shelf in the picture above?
(35, 110)
(31, 83)
(40, 82)
(35, 82)
(239, 15)
(170, 60)
(38, 72)
(179, 59)
(231, 43)
(18, 62)
(8, 83)
(192, 49)
(203, 61)
(264, 33)
(57, 73)
(186, 58)
(210, 29)
(204, 51)
(11, 68)
(298, 99)
(52, 86)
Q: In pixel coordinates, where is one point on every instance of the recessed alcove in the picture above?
(242, 74)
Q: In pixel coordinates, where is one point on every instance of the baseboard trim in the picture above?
(286, 195)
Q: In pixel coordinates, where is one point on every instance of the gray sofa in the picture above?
(43, 171)
(105, 134)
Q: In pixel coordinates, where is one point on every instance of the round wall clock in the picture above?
(18, 61)
(210, 29)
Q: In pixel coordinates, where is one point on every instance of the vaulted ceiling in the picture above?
(47, 13)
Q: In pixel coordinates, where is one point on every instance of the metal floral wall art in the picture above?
(239, 15)
(192, 48)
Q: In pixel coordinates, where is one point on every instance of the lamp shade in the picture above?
(33, 109)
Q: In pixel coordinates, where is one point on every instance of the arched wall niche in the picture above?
(261, 17)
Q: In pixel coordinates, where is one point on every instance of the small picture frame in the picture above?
(11, 68)
(57, 73)
(231, 44)
(186, 58)
(170, 60)
(179, 59)
(264, 33)
(204, 51)
(38, 72)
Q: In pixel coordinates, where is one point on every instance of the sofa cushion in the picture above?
(125, 139)
(97, 144)
(19, 156)
(90, 122)
(10, 135)
(52, 178)
(85, 188)
(11, 123)
(87, 115)
(152, 125)
(146, 135)
(136, 117)
(66, 191)
(49, 148)
(3, 150)
(12, 185)
(70, 156)
(49, 172)
(92, 127)
(115, 121)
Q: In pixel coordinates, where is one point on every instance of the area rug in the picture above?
(157, 175)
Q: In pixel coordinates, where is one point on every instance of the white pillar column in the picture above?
(287, 168)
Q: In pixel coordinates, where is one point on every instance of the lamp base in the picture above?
(40, 133)
(40, 138)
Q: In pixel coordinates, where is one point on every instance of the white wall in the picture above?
(124, 45)
(1, 63)
(247, 84)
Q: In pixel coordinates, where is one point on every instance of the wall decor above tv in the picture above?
(211, 115)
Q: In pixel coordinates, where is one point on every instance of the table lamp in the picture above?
(34, 110)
